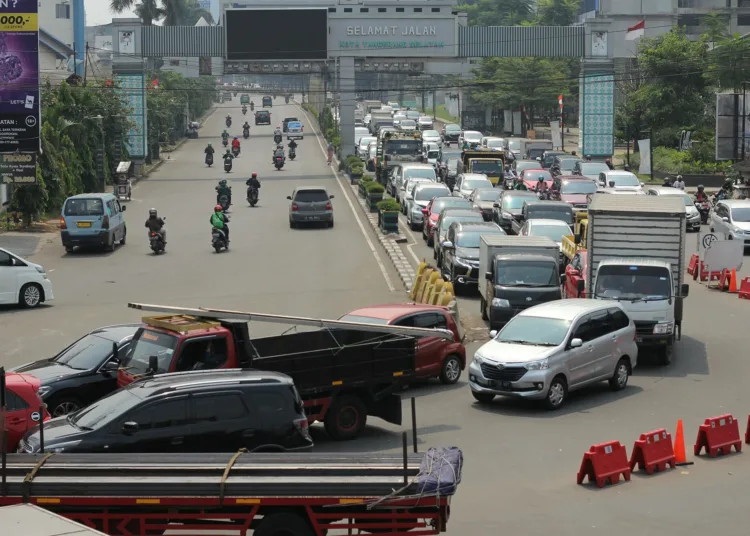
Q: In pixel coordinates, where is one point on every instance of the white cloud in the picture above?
(97, 12)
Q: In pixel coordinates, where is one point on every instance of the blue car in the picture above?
(92, 220)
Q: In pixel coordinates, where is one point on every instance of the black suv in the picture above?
(196, 411)
(262, 117)
(461, 257)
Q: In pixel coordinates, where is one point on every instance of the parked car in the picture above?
(435, 357)
(22, 282)
(83, 372)
(590, 170)
(425, 122)
(432, 213)
(692, 215)
(310, 204)
(468, 182)
(460, 259)
(419, 198)
(548, 350)
(196, 411)
(448, 216)
(25, 409)
(510, 207)
(731, 220)
(432, 136)
(451, 133)
(92, 220)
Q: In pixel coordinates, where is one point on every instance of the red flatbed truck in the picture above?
(344, 371)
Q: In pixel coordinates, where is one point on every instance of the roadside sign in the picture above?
(709, 239)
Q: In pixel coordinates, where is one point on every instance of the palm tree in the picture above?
(147, 10)
(195, 12)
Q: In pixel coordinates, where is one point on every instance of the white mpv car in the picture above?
(22, 282)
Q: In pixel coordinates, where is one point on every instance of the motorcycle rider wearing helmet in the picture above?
(236, 144)
(209, 149)
(277, 134)
(292, 145)
(278, 151)
(220, 221)
(609, 163)
(253, 181)
(679, 183)
(155, 224)
(541, 186)
(518, 184)
(224, 135)
(700, 195)
(246, 127)
(223, 189)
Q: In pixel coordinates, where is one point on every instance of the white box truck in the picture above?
(636, 256)
(515, 273)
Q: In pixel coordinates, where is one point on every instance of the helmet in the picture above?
(255, 175)
(223, 182)
(209, 144)
(152, 212)
(700, 187)
(236, 138)
(541, 178)
(218, 208)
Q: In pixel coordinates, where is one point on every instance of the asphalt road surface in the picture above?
(520, 460)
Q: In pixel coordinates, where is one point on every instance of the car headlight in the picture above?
(663, 328)
(542, 364)
(478, 359)
(737, 230)
(500, 302)
(62, 447)
(40, 270)
(462, 262)
(44, 390)
(416, 209)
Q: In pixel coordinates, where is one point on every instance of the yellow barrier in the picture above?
(418, 280)
(436, 289)
(423, 284)
(431, 281)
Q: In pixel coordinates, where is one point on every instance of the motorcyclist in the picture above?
(541, 186)
(223, 189)
(246, 127)
(155, 224)
(253, 181)
(252, 106)
(220, 221)
(465, 146)
(292, 145)
(209, 149)
(229, 118)
(224, 135)
(727, 190)
(278, 151)
(518, 184)
(626, 167)
(609, 163)
(277, 134)
(667, 182)
(700, 195)
(679, 183)
(236, 143)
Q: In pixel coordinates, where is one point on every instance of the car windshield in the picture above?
(364, 141)
(104, 411)
(364, 319)
(421, 173)
(541, 212)
(623, 180)
(430, 134)
(471, 239)
(373, 150)
(262, 113)
(624, 282)
(85, 354)
(535, 330)
(688, 200)
(84, 207)
(553, 232)
(514, 145)
(488, 167)
(496, 144)
(527, 274)
(449, 202)
(488, 194)
(452, 128)
(411, 184)
(403, 147)
(740, 215)
(411, 114)
(449, 155)
(593, 168)
(523, 166)
(514, 202)
(425, 194)
(408, 123)
(473, 184)
(450, 219)
(147, 343)
(568, 163)
(473, 136)
(432, 155)
(578, 187)
(311, 196)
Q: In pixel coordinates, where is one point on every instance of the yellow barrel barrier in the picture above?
(418, 280)
(419, 284)
(434, 277)
(424, 281)
(436, 289)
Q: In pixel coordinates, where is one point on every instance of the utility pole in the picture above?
(651, 151)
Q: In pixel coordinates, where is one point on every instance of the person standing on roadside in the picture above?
(330, 153)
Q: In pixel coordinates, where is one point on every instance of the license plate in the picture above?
(501, 385)
(312, 218)
(83, 224)
(638, 339)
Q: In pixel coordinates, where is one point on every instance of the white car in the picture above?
(425, 122)
(552, 229)
(398, 117)
(432, 136)
(472, 137)
(731, 220)
(359, 132)
(620, 180)
(466, 183)
(430, 153)
(493, 144)
(364, 142)
(418, 198)
(407, 125)
(22, 282)
(406, 187)
(692, 215)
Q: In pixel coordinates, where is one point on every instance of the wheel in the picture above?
(483, 307)
(30, 296)
(330, 224)
(110, 244)
(124, 236)
(451, 371)
(619, 378)
(557, 394)
(664, 355)
(69, 249)
(292, 225)
(346, 418)
(217, 248)
(283, 524)
(64, 405)
(483, 398)
(430, 241)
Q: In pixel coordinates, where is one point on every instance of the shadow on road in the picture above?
(688, 357)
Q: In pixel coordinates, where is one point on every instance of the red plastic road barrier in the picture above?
(653, 452)
(708, 276)
(747, 431)
(718, 434)
(693, 264)
(745, 288)
(724, 278)
(603, 463)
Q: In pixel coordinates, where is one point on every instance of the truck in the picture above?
(533, 149)
(271, 494)
(519, 272)
(379, 118)
(636, 255)
(487, 162)
(575, 242)
(550, 210)
(370, 105)
(396, 148)
(344, 371)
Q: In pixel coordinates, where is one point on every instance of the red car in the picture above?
(23, 403)
(575, 271)
(576, 190)
(530, 177)
(432, 213)
(436, 358)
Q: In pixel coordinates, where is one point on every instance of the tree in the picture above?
(729, 67)
(557, 12)
(715, 26)
(497, 12)
(174, 12)
(147, 10)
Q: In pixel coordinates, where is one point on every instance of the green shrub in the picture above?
(389, 205)
(351, 159)
(374, 188)
(366, 179)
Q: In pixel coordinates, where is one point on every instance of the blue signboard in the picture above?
(132, 90)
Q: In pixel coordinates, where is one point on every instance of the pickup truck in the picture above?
(550, 210)
(489, 163)
(344, 372)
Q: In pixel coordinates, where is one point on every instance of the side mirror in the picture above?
(129, 428)
(111, 366)
(425, 211)
(725, 220)
(488, 276)
(123, 208)
(581, 285)
(331, 197)
(685, 290)
(447, 244)
(576, 343)
(493, 334)
(495, 205)
(563, 278)
(643, 184)
(289, 197)
(538, 159)
(153, 364)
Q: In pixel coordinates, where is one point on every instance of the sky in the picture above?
(97, 12)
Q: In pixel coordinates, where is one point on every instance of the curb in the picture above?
(404, 268)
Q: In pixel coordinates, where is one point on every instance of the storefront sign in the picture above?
(19, 168)
(418, 37)
(19, 76)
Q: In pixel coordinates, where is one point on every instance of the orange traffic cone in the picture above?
(733, 282)
(679, 445)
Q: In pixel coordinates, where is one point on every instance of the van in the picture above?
(92, 220)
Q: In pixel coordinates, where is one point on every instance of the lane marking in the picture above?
(355, 212)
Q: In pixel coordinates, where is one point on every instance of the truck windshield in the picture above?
(546, 213)
(487, 167)
(104, 411)
(145, 344)
(624, 282)
(536, 153)
(403, 147)
(527, 274)
(534, 330)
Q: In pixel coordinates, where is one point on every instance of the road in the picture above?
(520, 461)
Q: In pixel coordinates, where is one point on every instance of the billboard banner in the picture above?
(393, 37)
(18, 168)
(19, 76)
(132, 89)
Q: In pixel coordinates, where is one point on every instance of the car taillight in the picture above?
(105, 222)
(303, 427)
(329, 206)
(63, 225)
(295, 208)
(153, 234)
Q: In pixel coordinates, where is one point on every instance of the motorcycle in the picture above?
(157, 242)
(252, 195)
(223, 200)
(229, 122)
(704, 207)
(278, 161)
(252, 107)
(209, 159)
(235, 151)
(218, 240)
(244, 110)
(543, 196)
(277, 139)
(287, 100)
(225, 142)
(246, 133)
(227, 165)
(292, 154)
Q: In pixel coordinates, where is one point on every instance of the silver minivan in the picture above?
(546, 351)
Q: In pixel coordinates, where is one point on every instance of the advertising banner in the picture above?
(393, 37)
(19, 76)
(132, 88)
(18, 168)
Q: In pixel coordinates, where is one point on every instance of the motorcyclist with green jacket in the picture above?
(518, 184)
(220, 221)
(223, 189)
(225, 137)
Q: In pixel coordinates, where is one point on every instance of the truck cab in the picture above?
(488, 162)
(397, 148)
(549, 210)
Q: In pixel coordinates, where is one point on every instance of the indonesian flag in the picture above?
(155, 83)
(560, 101)
(634, 32)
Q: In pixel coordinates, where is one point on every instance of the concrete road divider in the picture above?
(718, 435)
(604, 463)
(653, 452)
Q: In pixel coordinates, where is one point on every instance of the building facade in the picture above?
(62, 28)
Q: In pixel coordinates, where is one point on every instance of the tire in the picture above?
(330, 224)
(110, 244)
(64, 405)
(664, 355)
(283, 524)
(292, 225)
(483, 398)
(217, 248)
(30, 296)
(69, 249)
(450, 372)
(346, 418)
(483, 307)
(124, 236)
(557, 393)
(619, 379)
(430, 241)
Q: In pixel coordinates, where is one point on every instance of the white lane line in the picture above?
(344, 187)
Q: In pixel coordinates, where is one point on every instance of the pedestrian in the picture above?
(330, 153)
